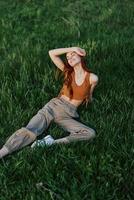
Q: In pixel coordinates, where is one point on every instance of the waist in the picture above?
(67, 102)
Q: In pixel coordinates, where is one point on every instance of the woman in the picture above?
(78, 88)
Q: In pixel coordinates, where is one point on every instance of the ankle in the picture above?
(3, 151)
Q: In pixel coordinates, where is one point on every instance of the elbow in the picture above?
(49, 52)
(96, 80)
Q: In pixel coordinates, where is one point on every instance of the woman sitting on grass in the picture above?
(78, 87)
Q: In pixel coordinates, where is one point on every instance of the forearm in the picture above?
(92, 89)
(60, 51)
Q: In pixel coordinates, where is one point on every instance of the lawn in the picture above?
(99, 170)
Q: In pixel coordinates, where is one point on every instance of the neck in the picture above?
(78, 69)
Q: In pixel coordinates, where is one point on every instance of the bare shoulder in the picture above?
(93, 78)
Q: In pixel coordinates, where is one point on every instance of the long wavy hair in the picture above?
(68, 78)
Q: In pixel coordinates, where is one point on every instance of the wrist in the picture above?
(68, 49)
(73, 48)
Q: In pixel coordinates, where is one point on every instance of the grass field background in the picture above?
(103, 169)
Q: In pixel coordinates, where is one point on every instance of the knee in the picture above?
(91, 133)
(19, 139)
(32, 129)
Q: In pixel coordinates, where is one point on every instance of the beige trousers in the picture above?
(66, 116)
(61, 112)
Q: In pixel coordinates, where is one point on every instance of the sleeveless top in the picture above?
(79, 91)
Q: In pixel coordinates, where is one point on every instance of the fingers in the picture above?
(81, 51)
(84, 52)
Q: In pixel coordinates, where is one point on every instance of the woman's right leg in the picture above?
(41, 120)
(28, 134)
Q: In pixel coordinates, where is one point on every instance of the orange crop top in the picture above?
(79, 92)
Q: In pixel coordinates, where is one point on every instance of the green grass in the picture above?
(104, 168)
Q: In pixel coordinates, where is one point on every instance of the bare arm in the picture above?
(60, 51)
(94, 81)
(54, 55)
(92, 88)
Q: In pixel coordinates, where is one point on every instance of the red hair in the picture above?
(68, 78)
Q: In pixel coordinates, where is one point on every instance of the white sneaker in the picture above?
(48, 140)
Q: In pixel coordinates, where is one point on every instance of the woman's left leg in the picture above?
(78, 131)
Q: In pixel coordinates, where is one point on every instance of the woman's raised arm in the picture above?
(54, 55)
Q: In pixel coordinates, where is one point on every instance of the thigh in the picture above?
(73, 126)
(41, 121)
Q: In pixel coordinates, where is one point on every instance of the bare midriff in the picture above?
(73, 101)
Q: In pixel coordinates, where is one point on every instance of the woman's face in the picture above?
(73, 58)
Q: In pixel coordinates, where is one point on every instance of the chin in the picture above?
(71, 65)
(74, 65)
